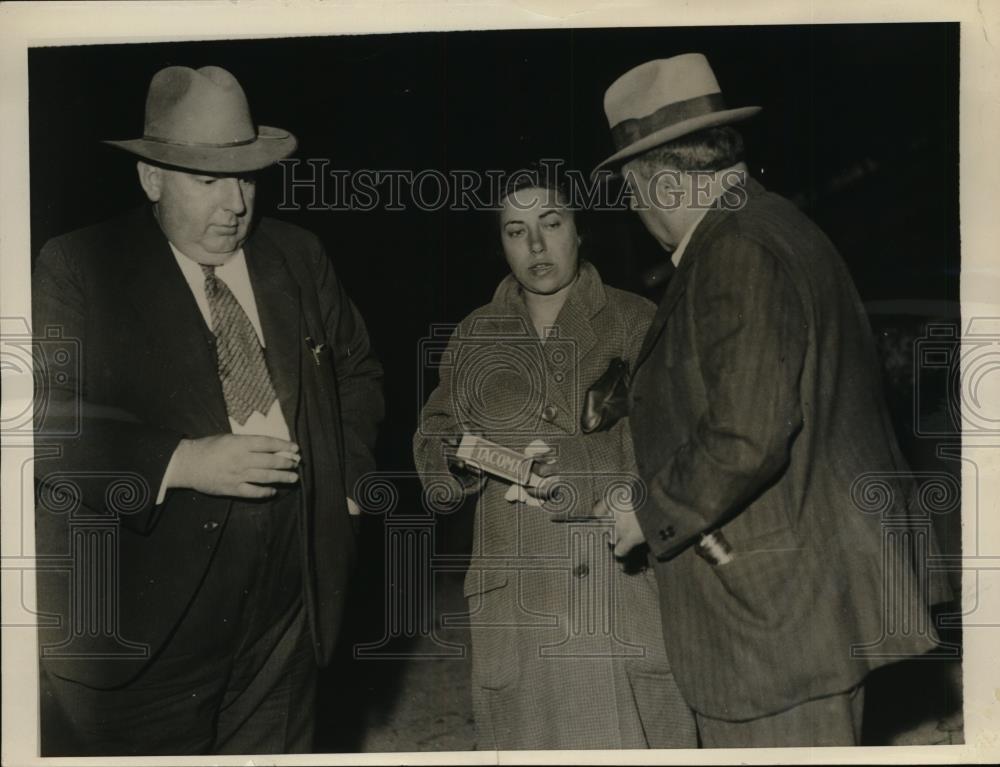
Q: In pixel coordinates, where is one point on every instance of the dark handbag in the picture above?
(606, 401)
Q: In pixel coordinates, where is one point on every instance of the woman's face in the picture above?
(539, 240)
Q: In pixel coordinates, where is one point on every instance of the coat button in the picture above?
(210, 526)
(581, 571)
(667, 533)
(549, 413)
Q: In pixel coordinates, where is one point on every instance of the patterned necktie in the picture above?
(246, 383)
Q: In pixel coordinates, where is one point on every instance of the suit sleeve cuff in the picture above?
(669, 527)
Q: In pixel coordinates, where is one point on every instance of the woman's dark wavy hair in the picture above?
(540, 174)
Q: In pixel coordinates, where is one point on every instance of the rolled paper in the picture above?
(714, 549)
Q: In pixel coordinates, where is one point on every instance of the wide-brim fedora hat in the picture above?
(199, 119)
(662, 100)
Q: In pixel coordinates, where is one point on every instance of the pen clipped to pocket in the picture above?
(316, 349)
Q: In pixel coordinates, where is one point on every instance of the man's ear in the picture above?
(151, 180)
(668, 188)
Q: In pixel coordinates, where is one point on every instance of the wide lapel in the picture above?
(678, 283)
(675, 289)
(279, 306)
(557, 356)
(584, 301)
(177, 330)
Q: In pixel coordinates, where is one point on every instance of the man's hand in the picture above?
(237, 465)
(628, 534)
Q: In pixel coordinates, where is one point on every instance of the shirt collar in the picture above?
(193, 269)
(678, 252)
(682, 245)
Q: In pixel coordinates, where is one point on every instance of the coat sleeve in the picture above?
(359, 373)
(636, 324)
(440, 419)
(750, 345)
(112, 460)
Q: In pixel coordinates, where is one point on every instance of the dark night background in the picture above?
(859, 127)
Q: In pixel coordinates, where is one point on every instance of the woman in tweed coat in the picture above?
(567, 649)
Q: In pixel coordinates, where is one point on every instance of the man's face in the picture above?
(206, 217)
(539, 240)
(655, 202)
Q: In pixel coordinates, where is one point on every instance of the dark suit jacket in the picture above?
(129, 370)
(757, 408)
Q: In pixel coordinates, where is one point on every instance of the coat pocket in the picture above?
(492, 629)
(761, 573)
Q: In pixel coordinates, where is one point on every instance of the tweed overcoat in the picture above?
(757, 408)
(566, 649)
(129, 369)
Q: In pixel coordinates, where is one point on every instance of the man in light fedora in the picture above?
(758, 416)
(226, 399)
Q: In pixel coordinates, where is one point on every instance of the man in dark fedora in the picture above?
(221, 400)
(758, 418)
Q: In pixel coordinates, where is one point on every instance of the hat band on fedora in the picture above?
(628, 132)
(206, 145)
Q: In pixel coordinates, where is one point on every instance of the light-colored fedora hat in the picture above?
(662, 100)
(200, 120)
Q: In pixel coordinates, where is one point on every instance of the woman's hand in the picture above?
(546, 467)
(450, 449)
(468, 476)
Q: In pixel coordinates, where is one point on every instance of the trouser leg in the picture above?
(225, 640)
(269, 704)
